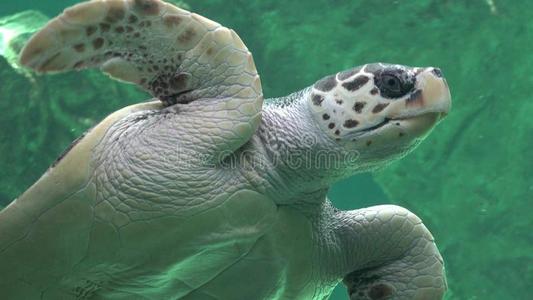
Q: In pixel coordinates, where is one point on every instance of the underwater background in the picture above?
(471, 181)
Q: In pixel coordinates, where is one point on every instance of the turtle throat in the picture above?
(297, 160)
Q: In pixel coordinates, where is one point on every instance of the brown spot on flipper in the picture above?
(331, 125)
(337, 132)
(172, 20)
(351, 123)
(147, 7)
(379, 108)
(79, 47)
(187, 36)
(90, 30)
(104, 27)
(380, 291)
(179, 82)
(374, 91)
(115, 12)
(358, 107)
(98, 43)
(132, 19)
(356, 84)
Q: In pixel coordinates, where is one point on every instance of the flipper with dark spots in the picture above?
(176, 55)
(181, 58)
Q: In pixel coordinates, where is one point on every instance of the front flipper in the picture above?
(390, 255)
(177, 56)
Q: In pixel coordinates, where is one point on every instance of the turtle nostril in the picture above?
(437, 72)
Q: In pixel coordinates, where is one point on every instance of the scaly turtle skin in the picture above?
(206, 193)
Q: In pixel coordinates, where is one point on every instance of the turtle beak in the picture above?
(431, 95)
(428, 104)
(436, 94)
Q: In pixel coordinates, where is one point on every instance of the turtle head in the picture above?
(382, 111)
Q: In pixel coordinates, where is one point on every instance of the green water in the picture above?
(471, 181)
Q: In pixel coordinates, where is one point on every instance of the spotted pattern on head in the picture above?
(326, 84)
(345, 99)
(358, 107)
(364, 98)
(317, 99)
(379, 107)
(341, 76)
(356, 83)
(350, 123)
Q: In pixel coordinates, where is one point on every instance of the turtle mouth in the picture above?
(437, 116)
(377, 126)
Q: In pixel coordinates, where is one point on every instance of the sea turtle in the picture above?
(206, 192)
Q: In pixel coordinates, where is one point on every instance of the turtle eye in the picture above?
(394, 83)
